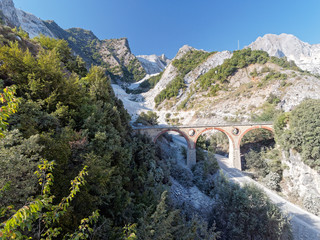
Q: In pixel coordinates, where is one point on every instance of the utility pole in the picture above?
(238, 45)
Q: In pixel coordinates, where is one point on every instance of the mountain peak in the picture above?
(305, 55)
(18, 18)
(183, 50)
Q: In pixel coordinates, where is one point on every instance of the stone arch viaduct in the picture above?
(191, 133)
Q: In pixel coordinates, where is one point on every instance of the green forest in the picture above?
(71, 167)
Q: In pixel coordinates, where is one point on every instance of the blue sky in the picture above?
(163, 26)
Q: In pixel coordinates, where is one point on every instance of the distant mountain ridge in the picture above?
(305, 55)
(115, 54)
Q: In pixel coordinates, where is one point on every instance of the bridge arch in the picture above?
(259, 136)
(227, 133)
(174, 130)
(253, 128)
(192, 133)
(215, 128)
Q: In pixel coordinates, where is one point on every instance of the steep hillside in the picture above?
(171, 72)
(114, 54)
(118, 59)
(227, 87)
(305, 55)
(78, 39)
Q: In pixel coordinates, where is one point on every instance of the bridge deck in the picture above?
(201, 126)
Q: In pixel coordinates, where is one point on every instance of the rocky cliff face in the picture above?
(117, 57)
(27, 21)
(82, 42)
(152, 63)
(301, 182)
(9, 12)
(113, 54)
(305, 55)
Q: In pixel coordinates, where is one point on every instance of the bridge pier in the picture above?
(236, 158)
(191, 157)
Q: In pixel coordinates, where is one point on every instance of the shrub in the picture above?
(254, 160)
(275, 75)
(300, 130)
(283, 62)
(312, 204)
(269, 112)
(149, 118)
(254, 73)
(182, 174)
(272, 181)
(273, 99)
(246, 213)
(202, 171)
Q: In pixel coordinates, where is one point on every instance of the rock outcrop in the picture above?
(9, 13)
(152, 63)
(117, 56)
(27, 21)
(305, 55)
(302, 182)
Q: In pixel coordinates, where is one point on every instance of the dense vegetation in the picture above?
(73, 121)
(299, 130)
(184, 65)
(261, 157)
(244, 213)
(148, 118)
(70, 127)
(151, 82)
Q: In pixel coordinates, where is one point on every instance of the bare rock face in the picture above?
(184, 50)
(117, 56)
(27, 21)
(302, 181)
(191, 199)
(305, 55)
(152, 63)
(168, 75)
(9, 12)
(301, 89)
(33, 25)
